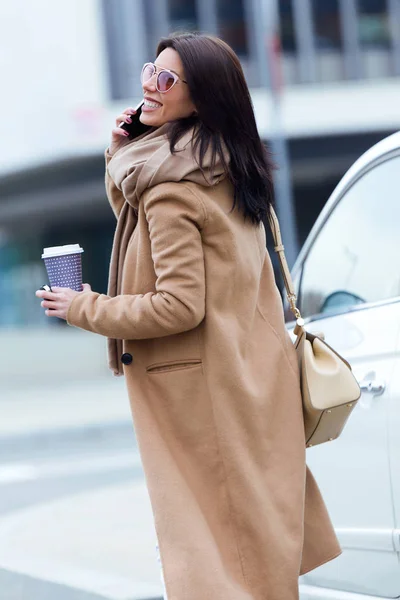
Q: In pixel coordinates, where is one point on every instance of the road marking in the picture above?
(24, 472)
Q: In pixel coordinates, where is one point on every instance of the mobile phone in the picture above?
(135, 128)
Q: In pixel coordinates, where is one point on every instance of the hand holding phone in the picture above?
(128, 126)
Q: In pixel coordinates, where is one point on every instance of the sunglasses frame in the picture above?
(158, 73)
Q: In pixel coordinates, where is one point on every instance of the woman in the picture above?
(194, 321)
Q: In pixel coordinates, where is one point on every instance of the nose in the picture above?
(150, 84)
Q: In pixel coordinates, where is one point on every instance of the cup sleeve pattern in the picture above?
(65, 271)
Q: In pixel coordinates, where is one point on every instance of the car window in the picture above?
(355, 258)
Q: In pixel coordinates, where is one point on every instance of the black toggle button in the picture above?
(126, 358)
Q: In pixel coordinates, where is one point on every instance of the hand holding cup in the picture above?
(59, 300)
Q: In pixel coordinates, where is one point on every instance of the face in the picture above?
(171, 105)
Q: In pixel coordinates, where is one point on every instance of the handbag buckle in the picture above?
(292, 302)
(299, 326)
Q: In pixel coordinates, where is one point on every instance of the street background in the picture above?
(75, 518)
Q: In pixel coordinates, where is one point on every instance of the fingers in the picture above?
(58, 301)
(47, 295)
(123, 119)
(57, 292)
(47, 304)
(53, 309)
(53, 313)
(119, 131)
(129, 111)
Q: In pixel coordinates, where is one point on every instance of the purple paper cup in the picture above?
(64, 266)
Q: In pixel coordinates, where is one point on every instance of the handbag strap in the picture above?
(287, 278)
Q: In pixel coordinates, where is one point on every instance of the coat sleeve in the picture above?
(114, 195)
(175, 219)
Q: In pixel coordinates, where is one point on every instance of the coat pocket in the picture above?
(173, 365)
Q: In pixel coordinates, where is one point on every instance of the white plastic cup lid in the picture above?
(61, 250)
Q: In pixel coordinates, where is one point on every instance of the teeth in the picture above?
(151, 104)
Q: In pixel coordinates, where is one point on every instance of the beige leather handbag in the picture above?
(328, 387)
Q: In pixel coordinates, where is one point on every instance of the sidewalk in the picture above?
(100, 541)
(113, 555)
(66, 406)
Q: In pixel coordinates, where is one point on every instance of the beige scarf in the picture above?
(135, 167)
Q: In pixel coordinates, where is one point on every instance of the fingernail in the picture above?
(126, 133)
(132, 111)
(129, 119)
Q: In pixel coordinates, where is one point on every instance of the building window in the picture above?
(327, 28)
(328, 39)
(182, 15)
(287, 32)
(232, 26)
(373, 23)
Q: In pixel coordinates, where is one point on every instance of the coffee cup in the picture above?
(64, 266)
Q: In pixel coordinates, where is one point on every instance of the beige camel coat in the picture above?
(214, 393)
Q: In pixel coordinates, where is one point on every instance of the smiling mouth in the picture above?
(150, 104)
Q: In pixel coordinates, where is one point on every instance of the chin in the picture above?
(150, 119)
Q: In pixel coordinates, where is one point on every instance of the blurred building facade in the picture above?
(70, 68)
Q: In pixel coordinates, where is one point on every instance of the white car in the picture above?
(347, 279)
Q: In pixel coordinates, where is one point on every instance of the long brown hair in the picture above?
(224, 109)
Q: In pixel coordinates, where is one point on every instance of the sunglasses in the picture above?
(165, 79)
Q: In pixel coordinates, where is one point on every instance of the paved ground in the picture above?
(29, 409)
(75, 517)
(15, 587)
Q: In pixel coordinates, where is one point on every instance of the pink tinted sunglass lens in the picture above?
(165, 81)
(147, 73)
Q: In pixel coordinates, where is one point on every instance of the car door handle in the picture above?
(375, 387)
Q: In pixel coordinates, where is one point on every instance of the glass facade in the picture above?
(21, 273)
(328, 36)
(287, 31)
(182, 15)
(373, 24)
(232, 25)
(17, 274)
(374, 36)
(321, 39)
(327, 28)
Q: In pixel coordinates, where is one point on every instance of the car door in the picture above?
(350, 290)
(394, 443)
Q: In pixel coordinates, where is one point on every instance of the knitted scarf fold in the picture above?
(136, 166)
